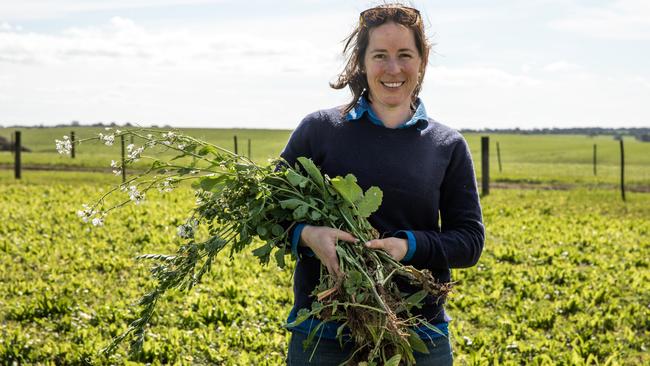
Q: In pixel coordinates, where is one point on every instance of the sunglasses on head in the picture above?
(403, 15)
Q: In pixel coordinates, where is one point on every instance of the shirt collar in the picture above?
(363, 107)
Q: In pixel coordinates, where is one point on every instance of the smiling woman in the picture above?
(385, 138)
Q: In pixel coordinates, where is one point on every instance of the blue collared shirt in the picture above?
(363, 107)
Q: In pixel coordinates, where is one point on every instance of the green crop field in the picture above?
(557, 160)
(563, 280)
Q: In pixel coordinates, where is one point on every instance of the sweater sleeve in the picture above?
(297, 146)
(460, 241)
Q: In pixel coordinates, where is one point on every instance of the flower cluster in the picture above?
(134, 153)
(136, 196)
(166, 185)
(108, 140)
(117, 170)
(185, 231)
(88, 214)
(64, 146)
(169, 136)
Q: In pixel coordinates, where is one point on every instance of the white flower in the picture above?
(149, 136)
(166, 185)
(130, 147)
(98, 222)
(136, 196)
(168, 135)
(114, 164)
(134, 154)
(118, 132)
(185, 231)
(181, 146)
(117, 171)
(64, 146)
(108, 140)
(87, 213)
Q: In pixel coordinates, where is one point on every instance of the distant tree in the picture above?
(74, 123)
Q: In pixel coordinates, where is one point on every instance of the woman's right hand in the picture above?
(322, 241)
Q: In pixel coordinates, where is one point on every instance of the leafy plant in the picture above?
(238, 200)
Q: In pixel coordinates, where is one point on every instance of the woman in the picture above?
(384, 137)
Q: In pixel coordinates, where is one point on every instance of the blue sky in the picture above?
(266, 64)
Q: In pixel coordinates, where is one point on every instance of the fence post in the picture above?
(485, 164)
(72, 153)
(235, 138)
(622, 169)
(17, 149)
(123, 161)
(249, 148)
(499, 156)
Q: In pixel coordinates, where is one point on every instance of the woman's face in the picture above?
(392, 65)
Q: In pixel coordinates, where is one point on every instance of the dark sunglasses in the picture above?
(403, 15)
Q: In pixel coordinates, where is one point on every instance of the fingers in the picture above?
(376, 244)
(345, 236)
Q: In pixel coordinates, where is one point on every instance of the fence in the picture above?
(17, 149)
(485, 172)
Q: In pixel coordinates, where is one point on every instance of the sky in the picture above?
(267, 64)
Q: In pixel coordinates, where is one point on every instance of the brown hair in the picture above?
(353, 75)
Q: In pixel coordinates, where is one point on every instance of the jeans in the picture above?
(330, 353)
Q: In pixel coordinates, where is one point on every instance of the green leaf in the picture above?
(205, 150)
(296, 179)
(303, 314)
(416, 343)
(370, 202)
(279, 257)
(300, 212)
(348, 188)
(262, 251)
(213, 183)
(291, 203)
(315, 215)
(262, 231)
(312, 170)
(277, 230)
(394, 361)
(416, 298)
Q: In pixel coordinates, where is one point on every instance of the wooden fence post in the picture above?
(595, 149)
(123, 160)
(485, 164)
(499, 156)
(235, 138)
(72, 152)
(622, 170)
(17, 149)
(249, 148)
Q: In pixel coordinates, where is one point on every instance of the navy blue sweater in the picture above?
(426, 174)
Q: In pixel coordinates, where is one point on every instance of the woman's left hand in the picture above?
(395, 247)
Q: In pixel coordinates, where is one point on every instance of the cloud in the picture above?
(478, 76)
(39, 9)
(561, 66)
(6, 27)
(619, 20)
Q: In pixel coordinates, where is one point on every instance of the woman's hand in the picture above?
(395, 247)
(322, 241)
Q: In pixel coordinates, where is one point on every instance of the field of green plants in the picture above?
(563, 278)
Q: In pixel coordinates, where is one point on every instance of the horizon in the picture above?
(265, 65)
